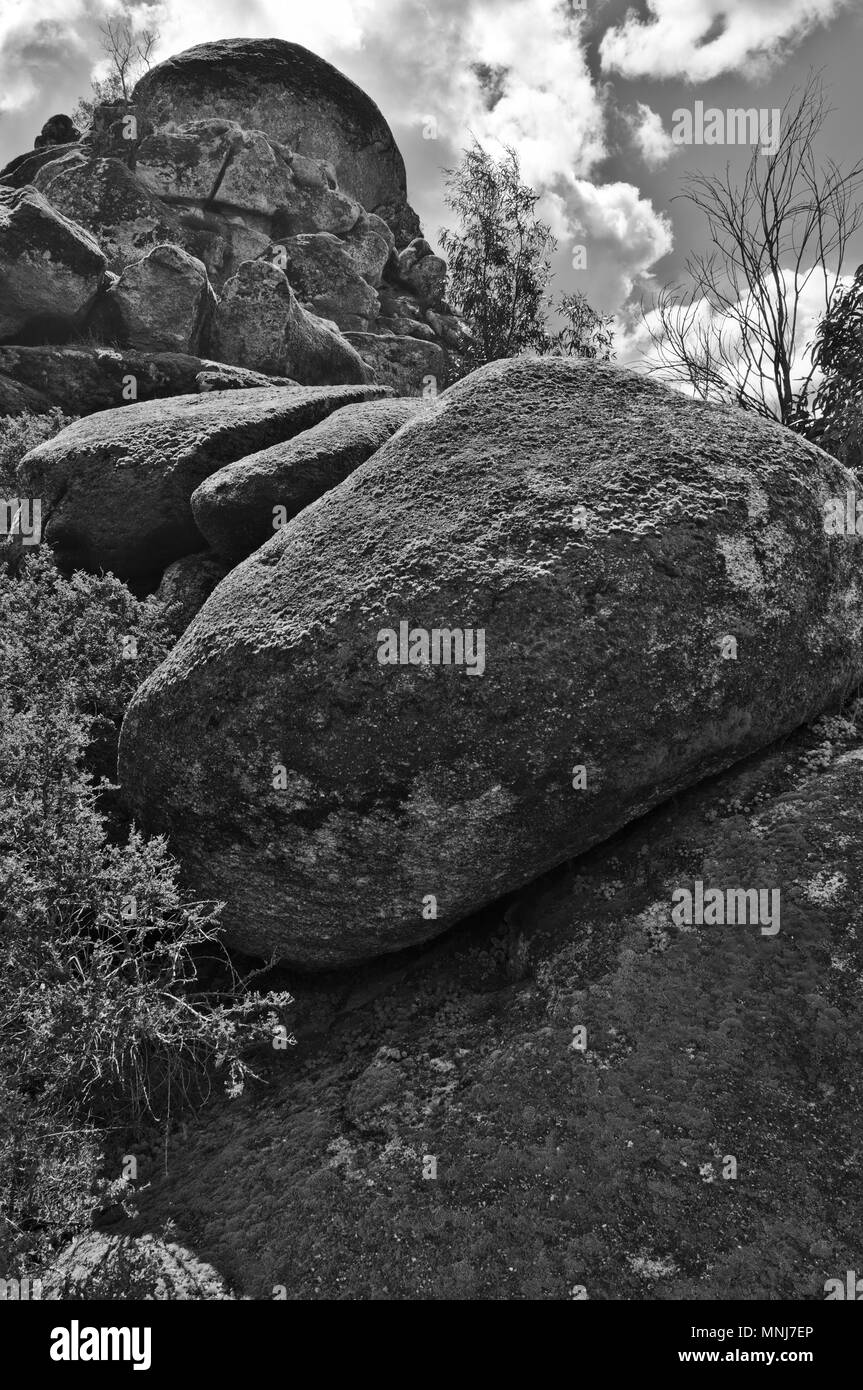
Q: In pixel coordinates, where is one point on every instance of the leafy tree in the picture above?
(584, 332)
(499, 265)
(838, 354)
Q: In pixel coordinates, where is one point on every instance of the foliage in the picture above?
(116, 1001)
(583, 332)
(499, 264)
(21, 433)
(838, 354)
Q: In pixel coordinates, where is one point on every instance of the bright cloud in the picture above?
(636, 346)
(652, 139)
(699, 39)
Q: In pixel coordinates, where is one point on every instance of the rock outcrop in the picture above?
(57, 130)
(238, 508)
(115, 487)
(559, 599)
(410, 366)
(239, 153)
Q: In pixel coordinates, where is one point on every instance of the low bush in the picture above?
(118, 1007)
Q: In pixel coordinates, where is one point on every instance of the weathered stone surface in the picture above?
(235, 508)
(81, 380)
(405, 328)
(220, 238)
(216, 160)
(116, 486)
(369, 244)
(50, 270)
(164, 302)
(324, 275)
(114, 130)
(21, 171)
(219, 170)
(185, 587)
(260, 324)
(424, 272)
(402, 221)
(409, 365)
(105, 196)
(603, 648)
(310, 209)
(69, 157)
(696, 1049)
(290, 94)
(114, 1267)
(186, 163)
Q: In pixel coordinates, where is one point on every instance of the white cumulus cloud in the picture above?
(699, 39)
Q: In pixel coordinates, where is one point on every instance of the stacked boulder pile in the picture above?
(247, 209)
(647, 579)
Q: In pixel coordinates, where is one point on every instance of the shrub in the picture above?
(21, 433)
(104, 1019)
(838, 423)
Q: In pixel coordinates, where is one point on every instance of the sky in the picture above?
(585, 90)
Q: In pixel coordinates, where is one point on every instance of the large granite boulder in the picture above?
(293, 96)
(423, 272)
(259, 323)
(238, 508)
(369, 244)
(565, 595)
(216, 159)
(163, 303)
(50, 269)
(81, 380)
(115, 487)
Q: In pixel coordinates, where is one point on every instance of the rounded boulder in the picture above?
(557, 599)
(293, 96)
